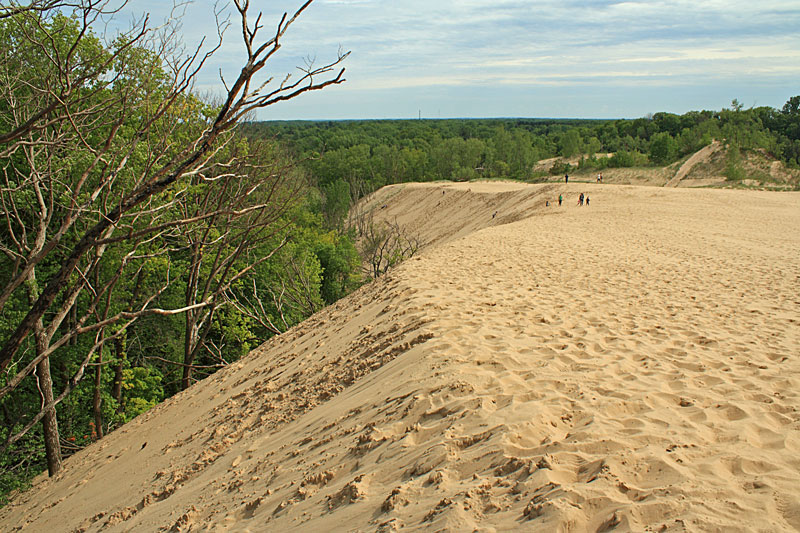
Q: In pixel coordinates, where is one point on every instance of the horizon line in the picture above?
(427, 118)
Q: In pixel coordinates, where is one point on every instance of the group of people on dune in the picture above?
(581, 199)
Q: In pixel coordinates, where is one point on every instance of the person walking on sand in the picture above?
(560, 198)
(566, 178)
(587, 201)
(580, 199)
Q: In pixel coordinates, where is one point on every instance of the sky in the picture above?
(515, 58)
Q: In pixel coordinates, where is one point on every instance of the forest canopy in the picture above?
(369, 154)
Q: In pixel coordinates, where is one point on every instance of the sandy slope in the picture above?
(698, 157)
(632, 365)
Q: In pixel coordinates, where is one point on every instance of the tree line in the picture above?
(357, 157)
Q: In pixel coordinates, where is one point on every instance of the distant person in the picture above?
(580, 199)
(587, 201)
(599, 178)
(566, 178)
(547, 203)
(560, 198)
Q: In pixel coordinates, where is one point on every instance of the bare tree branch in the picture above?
(241, 99)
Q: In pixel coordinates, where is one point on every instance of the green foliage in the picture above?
(336, 203)
(787, 122)
(594, 163)
(593, 145)
(370, 154)
(509, 148)
(570, 143)
(463, 174)
(143, 390)
(663, 148)
(458, 159)
(667, 123)
(733, 164)
(340, 264)
(511, 154)
(560, 168)
(20, 464)
(624, 158)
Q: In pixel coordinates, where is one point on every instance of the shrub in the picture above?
(560, 167)
(625, 158)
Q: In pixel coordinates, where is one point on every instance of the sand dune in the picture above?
(632, 365)
(698, 157)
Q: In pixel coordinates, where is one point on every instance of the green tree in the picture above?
(340, 264)
(98, 146)
(663, 148)
(336, 203)
(570, 143)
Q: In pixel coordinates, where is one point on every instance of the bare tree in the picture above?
(15, 8)
(238, 217)
(292, 293)
(383, 245)
(94, 177)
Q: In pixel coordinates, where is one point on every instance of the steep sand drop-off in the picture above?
(630, 365)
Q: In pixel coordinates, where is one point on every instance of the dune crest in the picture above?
(629, 365)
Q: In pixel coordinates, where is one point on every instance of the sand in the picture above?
(631, 365)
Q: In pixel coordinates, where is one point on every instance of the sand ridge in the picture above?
(632, 365)
(698, 157)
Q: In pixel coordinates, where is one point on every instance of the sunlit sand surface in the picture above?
(629, 365)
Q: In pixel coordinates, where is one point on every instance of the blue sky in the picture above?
(522, 58)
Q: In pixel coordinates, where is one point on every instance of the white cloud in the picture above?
(513, 43)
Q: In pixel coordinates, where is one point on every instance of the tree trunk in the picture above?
(97, 404)
(49, 422)
(44, 381)
(121, 349)
(120, 354)
(190, 331)
(189, 342)
(197, 328)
